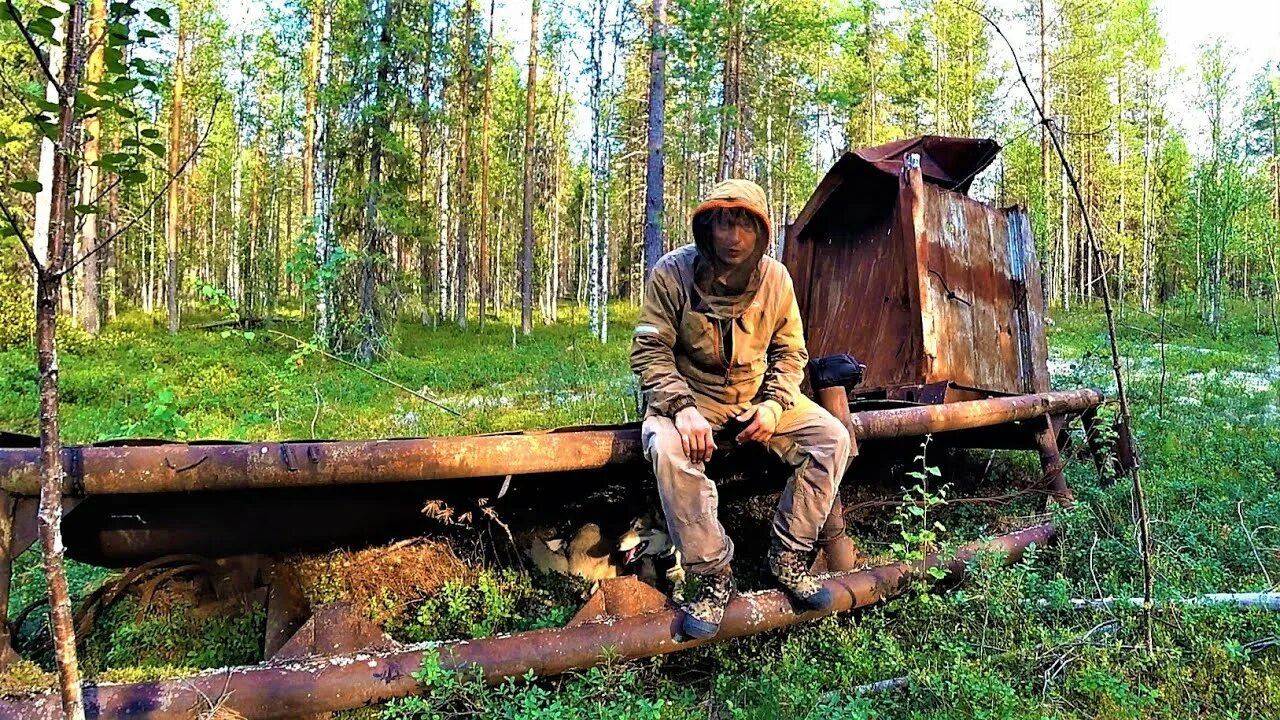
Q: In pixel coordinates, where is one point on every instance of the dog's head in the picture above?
(646, 537)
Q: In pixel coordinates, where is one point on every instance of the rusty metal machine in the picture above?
(892, 262)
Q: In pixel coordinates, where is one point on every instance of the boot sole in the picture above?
(821, 600)
(696, 629)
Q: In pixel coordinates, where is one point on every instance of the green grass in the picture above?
(136, 381)
(1208, 423)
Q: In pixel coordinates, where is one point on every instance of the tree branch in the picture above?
(421, 396)
(26, 244)
(31, 43)
(154, 198)
(1125, 441)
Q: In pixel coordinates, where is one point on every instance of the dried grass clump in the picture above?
(381, 578)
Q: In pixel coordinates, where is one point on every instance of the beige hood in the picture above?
(730, 297)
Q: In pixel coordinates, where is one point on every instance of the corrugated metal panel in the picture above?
(975, 264)
(924, 285)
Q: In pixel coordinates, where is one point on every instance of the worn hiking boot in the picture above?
(788, 568)
(702, 615)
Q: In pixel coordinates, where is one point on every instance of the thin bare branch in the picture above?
(26, 244)
(31, 43)
(1126, 419)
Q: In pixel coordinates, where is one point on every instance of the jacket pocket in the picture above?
(700, 339)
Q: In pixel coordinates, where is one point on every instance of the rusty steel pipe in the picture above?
(191, 467)
(179, 467)
(925, 419)
(330, 683)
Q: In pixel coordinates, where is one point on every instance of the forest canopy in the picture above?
(357, 161)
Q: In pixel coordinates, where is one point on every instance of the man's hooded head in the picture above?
(735, 209)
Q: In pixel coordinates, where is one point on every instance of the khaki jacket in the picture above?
(677, 351)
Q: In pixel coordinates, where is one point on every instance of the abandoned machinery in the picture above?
(939, 294)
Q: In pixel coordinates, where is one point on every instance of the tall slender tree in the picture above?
(89, 306)
(654, 183)
(371, 331)
(531, 112)
(173, 204)
(483, 240)
(461, 287)
(424, 160)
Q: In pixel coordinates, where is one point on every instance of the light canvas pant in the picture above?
(807, 437)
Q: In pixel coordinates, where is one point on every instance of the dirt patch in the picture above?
(371, 577)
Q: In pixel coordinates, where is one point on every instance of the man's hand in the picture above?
(763, 419)
(695, 434)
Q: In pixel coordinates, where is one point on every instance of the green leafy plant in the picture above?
(918, 533)
(161, 417)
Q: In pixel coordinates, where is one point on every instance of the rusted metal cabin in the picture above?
(937, 293)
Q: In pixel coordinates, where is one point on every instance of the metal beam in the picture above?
(182, 467)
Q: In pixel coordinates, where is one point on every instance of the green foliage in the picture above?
(160, 418)
(610, 691)
(261, 386)
(17, 305)
(172, 640)
(496, 602)
(919, 534)
(1002, 645)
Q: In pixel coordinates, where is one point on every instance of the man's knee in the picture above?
(662, 444)
(826, 436)
(835, 433)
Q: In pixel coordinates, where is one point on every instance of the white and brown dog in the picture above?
(648, 545)
(644, 549)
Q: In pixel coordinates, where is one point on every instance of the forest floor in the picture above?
(1207, 412)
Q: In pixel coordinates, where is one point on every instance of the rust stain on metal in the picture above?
(326, 684)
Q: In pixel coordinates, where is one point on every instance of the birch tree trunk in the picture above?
(595, 261)
(310, 94)
(444, 287)
(44, 173)
(235, 283)
(320, 180)
(424, 158)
